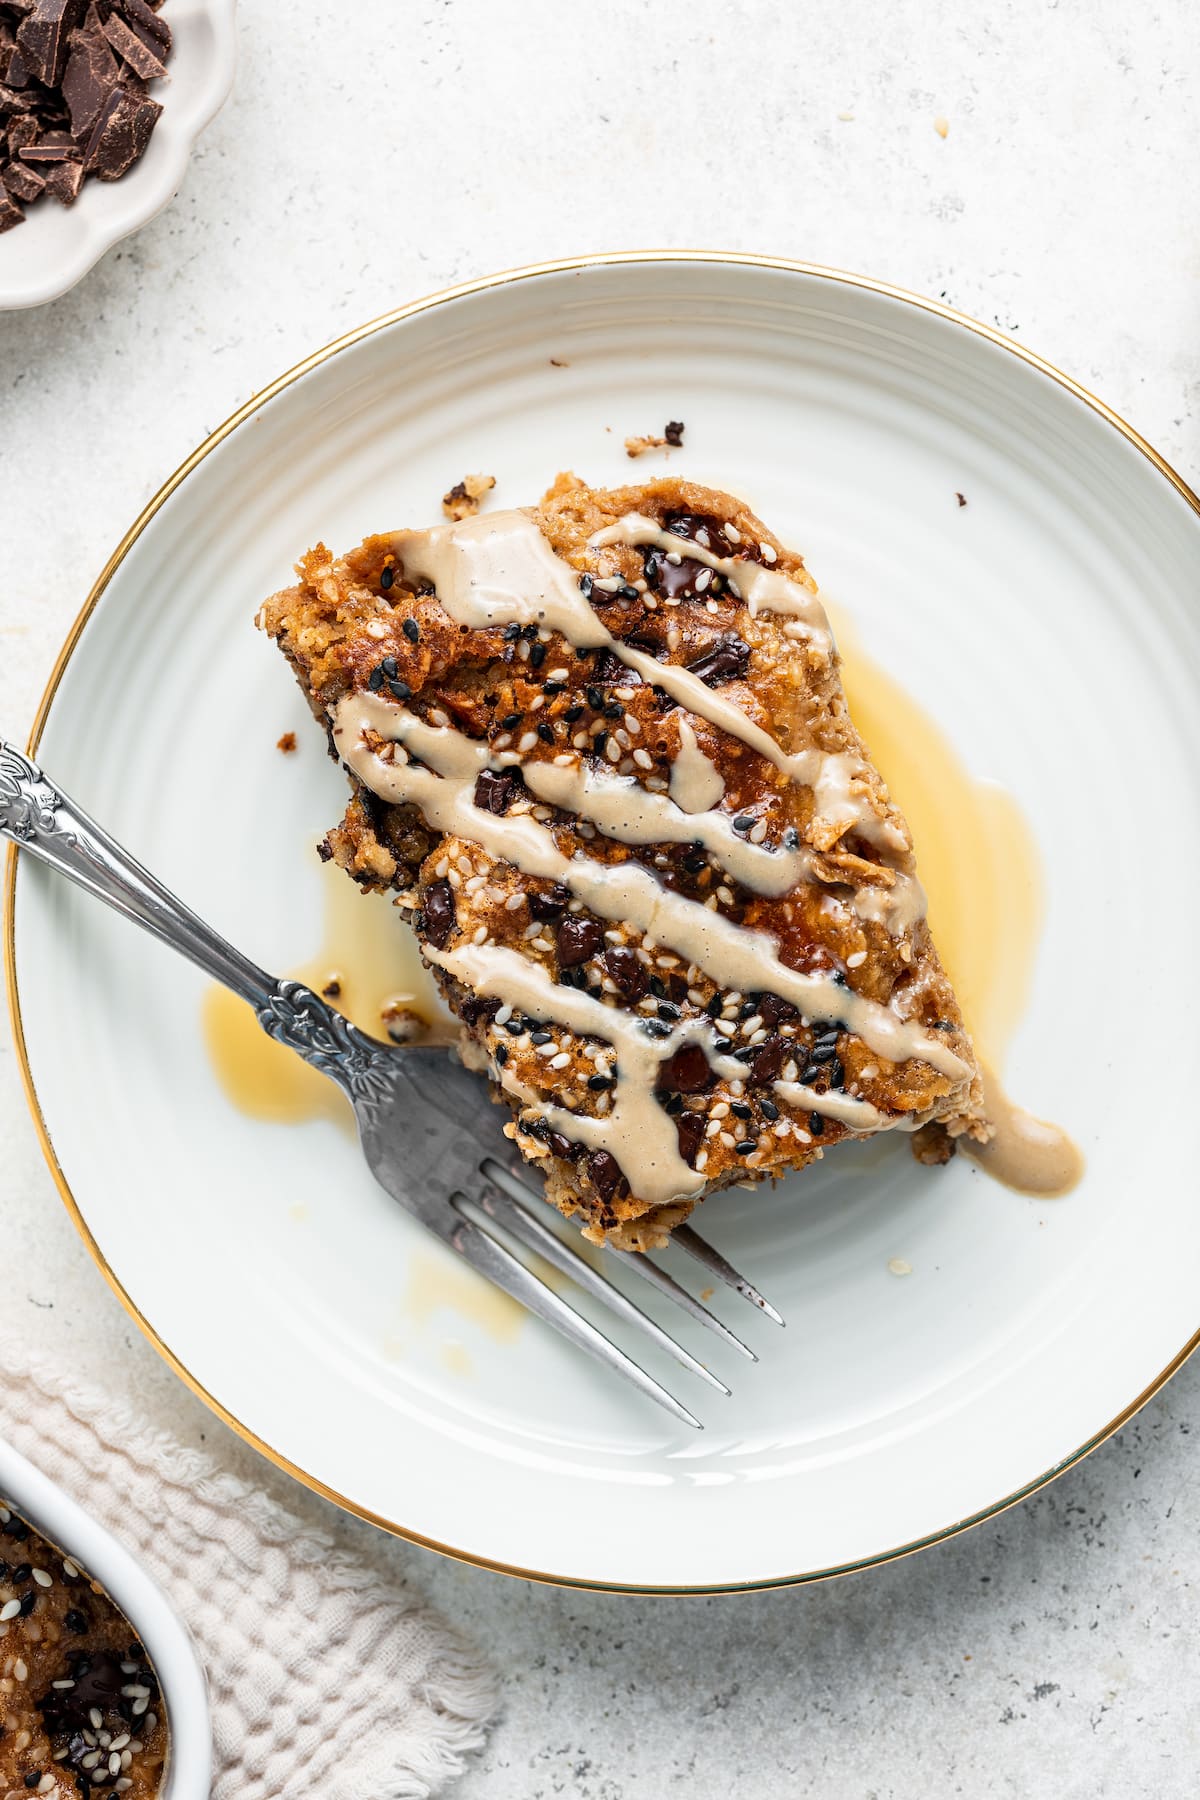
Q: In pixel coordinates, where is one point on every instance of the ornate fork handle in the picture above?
(43, 821)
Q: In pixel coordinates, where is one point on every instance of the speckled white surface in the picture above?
(375, 152)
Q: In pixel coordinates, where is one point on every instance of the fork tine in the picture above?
(533, 1232)
(715, 1263)
(491, 1258)
(666, 1284)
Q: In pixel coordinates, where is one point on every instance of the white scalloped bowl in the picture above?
(57, 245)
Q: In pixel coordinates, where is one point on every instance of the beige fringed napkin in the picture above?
(326, 1678)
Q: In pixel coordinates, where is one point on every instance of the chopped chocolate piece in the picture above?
(701, 529)
(22, 183)
(605, 1173)
(91, 75)
(673, 432)
(120, 133)
(689, 1128)
(612, 672)
(767, 1064)
(475, 1007)
(628, 971)
(42, 37)
(134, 50)
(578, 938)
(549, 903)
(494, 792)
(10, 210)
(55, 147)
(687, 1072)
(14, 100)
(21, 134)
(773, 1009)
(560, 1145)
(17, 74)
(728, 658)
(439, 913)
(63, 180)
(149, 25)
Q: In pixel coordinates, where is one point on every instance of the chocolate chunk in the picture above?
(687, 1072)
(22, 183)
(42, 37)
(561, 1146)
(729, 657)
(13, 100)
(475, 1007)
(63, 180)
(438, 913)
(134, 50)
(120, 133)
(548, 903)
(628, 971)
(150, 26)
(92, 74)
(52, 147)
(495, 792)
(701, 529)
(673, 432)
(17, 74)
(22, 133)
(773, 1009)
(10, 211)
(671, 579)
(605, 1173)
(578, 937)
(689, 1128)
(767, 1064)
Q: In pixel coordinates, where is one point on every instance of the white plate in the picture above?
(57, 245)
(1053, 628)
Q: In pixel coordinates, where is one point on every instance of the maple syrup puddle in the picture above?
(980, 869)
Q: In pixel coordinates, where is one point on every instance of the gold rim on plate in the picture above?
(569, 264)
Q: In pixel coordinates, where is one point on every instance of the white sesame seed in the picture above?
(560, 1061)
(612, 750)
(767, 552)
(564, 760)
(96, 1717)
(503, 741)
(701, 1162)
(114, 1763)
(643, 759)
(523, 650)
(47, 1784)
(10, 1609)
(438, 717)
(21, 1669)
(724, 895)
(703, 580)
(119, 1743)
(759, 832)
(537, 701)
(711, 606)
(376, 628)
(732, 533)
(727, 1138)
(543, 813)
(712, 1128)
(857, 960)
(790, 1071)
(632, 726)
(90, 1760)
(527, 742)
(720, 1110)
(558, 675)
(674, 557)
(42, 1579)
(622, 737)
(542, 943)
(580, 740)
(473, 886)
(479, 935)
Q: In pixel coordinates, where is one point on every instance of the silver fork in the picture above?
(431, 1135)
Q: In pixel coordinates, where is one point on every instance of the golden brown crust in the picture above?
(351, 619)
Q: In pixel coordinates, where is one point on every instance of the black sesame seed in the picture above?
(539, 1037)
(747, 1009)
(595, 698)
(839, 980)
(598, 1083)
(401, 690)
(740, 1110)
(599, 743)
(694, 864)
(28, 1602)
(511, 633)
(389, 667)
(75, 1621)
(34, 1778)
(514, 1027)
(585, 586)
(572, 713)
(791, 838)
(816, 1124)
(555, 687)
(837, 1076)
(529, 631)
(745, 1147)
(387, 577)
(546, 733)
(668, 1010)
(375, 680)
(658, 1028)
(628, 592)
(537, 656)
(769, 1109)
(658, 987)
(743, 822)
(822, 1051)
(723, 1043)
(674, 1104)
(411, 630)
(511, 722)
(22, 1572)
(16, 1529)
(714, 1007)
(614, 711)
(502, 1054)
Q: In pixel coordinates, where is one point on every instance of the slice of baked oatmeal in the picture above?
(601, 751)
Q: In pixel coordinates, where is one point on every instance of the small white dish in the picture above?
(57, 245)
(155, 1625)
(1050, 628)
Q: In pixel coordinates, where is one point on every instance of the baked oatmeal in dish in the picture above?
(80, 1710)
(600, 749)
